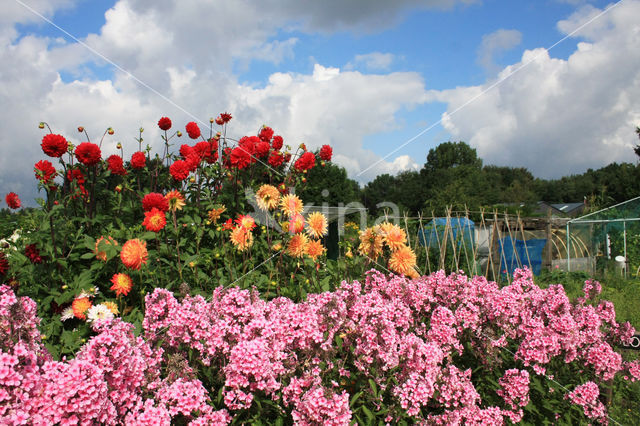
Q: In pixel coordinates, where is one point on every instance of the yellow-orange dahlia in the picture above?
(392, 235)
(317, 225)
(291, 205)
(268, 197)
(314, 248)
(122, 284)
(134, 254)
(101, 254)
(154, 220)
(80, 307)
(241, 238)
(112, 306)
(370, 243)
(297, 245)
(175, 199)
(402, 261)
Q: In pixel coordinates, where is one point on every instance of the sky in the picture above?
(550, 85)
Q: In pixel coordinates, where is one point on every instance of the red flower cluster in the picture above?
(32, 252)
(262, 149)
(326, 152)
(193, 130)
(116, 165)
(54, 145)
(226, 117)
(154, 200)
(179, 170)
(305, 162)
(45, 172)
(138, 160)
(164, 123)
(88, 153)
(277, 142)
(12, 200)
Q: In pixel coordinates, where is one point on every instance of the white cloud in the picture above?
(186, 54)
(556, 116)
(375, 61)
(495, 43)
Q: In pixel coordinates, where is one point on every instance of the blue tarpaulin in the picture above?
(433, 234)
(513, 254)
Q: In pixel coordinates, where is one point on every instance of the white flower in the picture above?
(99, 312)
(67, 314)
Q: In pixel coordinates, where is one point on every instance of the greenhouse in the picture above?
(609, 236)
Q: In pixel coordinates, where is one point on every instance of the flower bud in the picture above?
(141, 129)
(192, 179)
(119, 145)
(80, 129)
(41, 125)
(179, 133)
(118, 188)
(211, 120)
(110, 131)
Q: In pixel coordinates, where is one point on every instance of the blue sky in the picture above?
(364, 76)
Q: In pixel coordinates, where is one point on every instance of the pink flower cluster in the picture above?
(405, 340)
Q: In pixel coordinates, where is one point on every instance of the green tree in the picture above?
(329, 184)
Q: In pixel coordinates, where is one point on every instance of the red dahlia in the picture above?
(54, 145)
(154, 220)
(276, 159)
(193, 130)
(240, 158)
(164, 123)
(326, 152)
(88, 153)
(226, 117)
(45, 172)
(179, 170)
(138, 160)
(155, 200)
(12, 200)
(276, 143)
(116, 165)
(207, 151)
(192, 161)
(262, 149)
(266, 133)
(305, 162)
(185, 150)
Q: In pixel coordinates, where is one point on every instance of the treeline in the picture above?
(454, 176)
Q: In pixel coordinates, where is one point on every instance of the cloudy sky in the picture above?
(551, 85)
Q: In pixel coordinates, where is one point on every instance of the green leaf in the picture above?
(368, 413)
(374, 388)
(354, 398)
(88, 256)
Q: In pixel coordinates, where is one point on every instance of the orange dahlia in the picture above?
(296, 224)
(134, 253)
(122, 284)
(268, 197)
(214, 214)
(297, 245)
(392, 235)
(402, 261)
(175, 200)
(154, 220)
(241, 238)
(370, 243)
(314, 248)
(101, 254)
(317, 225)
(291, 205)
(80, 306)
